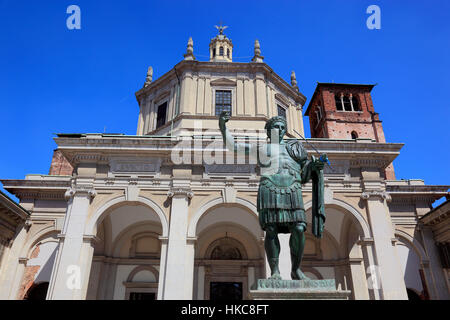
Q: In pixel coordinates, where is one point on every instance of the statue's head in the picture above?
(276, 126)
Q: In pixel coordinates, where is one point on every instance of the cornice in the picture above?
(437, 215)
(233, 67)
(44, 189)
(101, 148)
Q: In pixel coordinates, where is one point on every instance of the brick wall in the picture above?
(60, 165)
(335, 124)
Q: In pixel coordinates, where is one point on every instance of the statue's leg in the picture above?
(297, 244)
(272, 246)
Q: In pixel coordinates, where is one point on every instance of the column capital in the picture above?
(381, 195)
(82, 190)
(23, 260)
(365, 242)
(179, 192)
(90, 238)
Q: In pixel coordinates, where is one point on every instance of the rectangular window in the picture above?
(281, 111)
(161, 115)
(223, 101)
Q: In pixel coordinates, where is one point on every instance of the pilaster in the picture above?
(390, 275)
(179, 264)
(70, 274)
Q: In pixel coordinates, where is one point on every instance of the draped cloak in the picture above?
(280, 200)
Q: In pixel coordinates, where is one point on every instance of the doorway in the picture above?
(225, 291)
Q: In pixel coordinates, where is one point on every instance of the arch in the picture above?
(227, 241)
(141, 268)
(42, 234)
(415, 245)
(313, 271)
(354, 135)
(91, 227)
(355, 214)
(129, 232)
(211, 204)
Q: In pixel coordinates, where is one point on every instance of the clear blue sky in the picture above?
(57, 80)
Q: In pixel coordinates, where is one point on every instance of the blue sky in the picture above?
(57, 80)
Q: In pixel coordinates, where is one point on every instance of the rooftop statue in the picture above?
(285, 167)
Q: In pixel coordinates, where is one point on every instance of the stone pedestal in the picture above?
(268, 289)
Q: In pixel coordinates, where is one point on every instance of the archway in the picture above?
(128, 238)
(342, 257)
(229, 253)
(41, 252)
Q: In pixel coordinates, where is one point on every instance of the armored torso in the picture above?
(278, 166)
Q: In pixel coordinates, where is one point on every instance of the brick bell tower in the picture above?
(345, 111)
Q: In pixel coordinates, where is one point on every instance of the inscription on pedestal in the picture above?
(328, 284)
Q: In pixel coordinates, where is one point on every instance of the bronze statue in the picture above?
(280, 202)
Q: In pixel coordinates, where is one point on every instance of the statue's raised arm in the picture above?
(228, 138)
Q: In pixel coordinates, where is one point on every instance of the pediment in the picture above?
(223, 82)
(282, 99)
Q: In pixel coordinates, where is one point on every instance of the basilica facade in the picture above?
(170, 213)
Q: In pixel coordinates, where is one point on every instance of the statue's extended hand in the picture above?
(223, 119)
(317, 164)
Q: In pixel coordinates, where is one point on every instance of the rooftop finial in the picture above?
(257, 57)
(221, 28)
(294, 81)
(149, 78)
(189, 50)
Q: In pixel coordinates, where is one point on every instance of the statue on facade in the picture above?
(284, 170)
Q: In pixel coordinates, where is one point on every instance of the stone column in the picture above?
(162, 267)
(369, 260)
(359, 282)
(179, 274)
(201, 283)
(70, 273)
(390, 274)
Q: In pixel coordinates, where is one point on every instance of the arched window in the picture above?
(354, 135)
(214, 52)
(355, 104)
(347, 104)
(221, 51)
(228, 53)
(337, 100)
